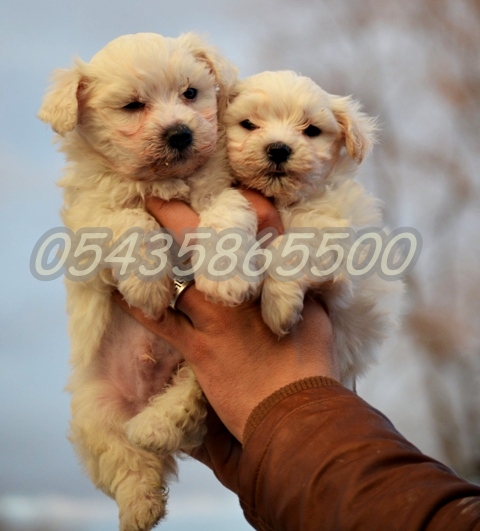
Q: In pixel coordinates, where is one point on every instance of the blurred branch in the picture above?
(415, 65)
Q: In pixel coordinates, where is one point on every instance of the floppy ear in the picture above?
(358, 129)
(60, 104)
(224, 71)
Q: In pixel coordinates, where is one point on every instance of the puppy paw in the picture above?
(143, 510)
(151, 297)
(172, 420)
(281, 318)
(162, 438)
(166, 436)
(150, 432)
(231, 292)
(282, 305)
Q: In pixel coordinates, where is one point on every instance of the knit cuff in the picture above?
(261, 410)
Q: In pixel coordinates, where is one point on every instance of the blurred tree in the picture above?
(416, 66)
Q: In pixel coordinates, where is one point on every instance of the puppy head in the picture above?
(285, 135)
(145, 105)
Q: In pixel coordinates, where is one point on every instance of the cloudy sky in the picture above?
(41, 483)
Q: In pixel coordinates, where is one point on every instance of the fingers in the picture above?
(178, 216)
(197, 308)
(173, 327)
(267, 214)
(175, 215)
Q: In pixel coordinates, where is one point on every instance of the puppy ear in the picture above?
(224, 71)
(357, 128)
(60, 104)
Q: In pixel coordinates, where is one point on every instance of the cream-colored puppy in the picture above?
(138, 120)
(292, 141)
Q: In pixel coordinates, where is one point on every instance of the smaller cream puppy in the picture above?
(138, 120)
(295, 143)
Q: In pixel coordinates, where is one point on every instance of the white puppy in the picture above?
(289, 139)
(139, 120)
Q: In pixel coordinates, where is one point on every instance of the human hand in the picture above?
(237, 360)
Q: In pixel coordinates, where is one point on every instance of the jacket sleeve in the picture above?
(317, 457)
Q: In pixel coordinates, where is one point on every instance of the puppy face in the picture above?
(145, 104)
(285, 135)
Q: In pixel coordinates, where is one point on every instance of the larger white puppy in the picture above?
(294, 142)
(139, 120)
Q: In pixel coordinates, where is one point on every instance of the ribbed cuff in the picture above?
(268, 403)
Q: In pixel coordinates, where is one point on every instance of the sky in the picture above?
(42, 485)
(41, 482)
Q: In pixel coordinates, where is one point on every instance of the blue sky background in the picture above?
(41, 483)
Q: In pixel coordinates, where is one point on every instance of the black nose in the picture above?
(278, 152)
(179, 137)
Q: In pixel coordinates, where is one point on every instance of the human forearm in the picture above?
(321, 458)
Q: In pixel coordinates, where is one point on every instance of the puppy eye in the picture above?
(312, 131)
(134, 106)
(190, 93)
(247, 124)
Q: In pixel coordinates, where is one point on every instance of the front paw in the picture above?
(282, 305)
(151, 297)
(280, 318)
(231, 292)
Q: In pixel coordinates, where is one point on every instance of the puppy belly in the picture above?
(135, 361)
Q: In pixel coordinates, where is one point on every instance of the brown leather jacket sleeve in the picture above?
(317, 457)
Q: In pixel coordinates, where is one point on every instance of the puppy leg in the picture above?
(151, 296)
(172, 420)
(134, 477)
(230, 210)
(282, 303)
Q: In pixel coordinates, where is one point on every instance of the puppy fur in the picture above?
(113, 117)
(326, 138)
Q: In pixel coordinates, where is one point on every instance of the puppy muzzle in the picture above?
(179, 137)
(278, 152)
